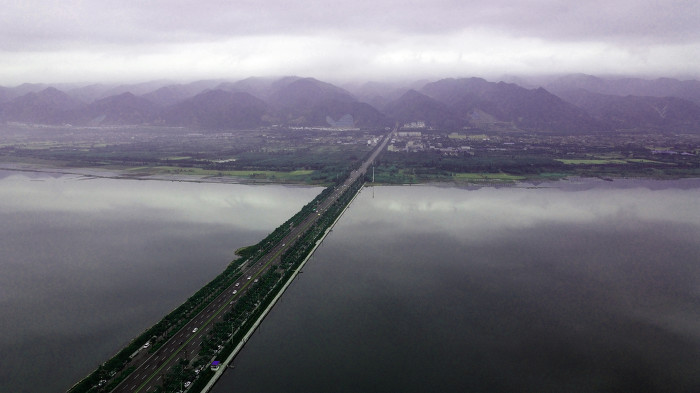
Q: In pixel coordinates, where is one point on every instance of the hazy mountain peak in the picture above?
(46, 106)
(308, 92)
(446, 103)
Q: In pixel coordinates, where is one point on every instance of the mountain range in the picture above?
(570, 104)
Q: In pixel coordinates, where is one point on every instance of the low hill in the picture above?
(48, 106)
(532, 110)
(218, 109)
(665, 114)
(414, 106)
(308, 102)
(122, 109)
(660, 87)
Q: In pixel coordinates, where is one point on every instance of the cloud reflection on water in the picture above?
(253, 207)
(87, 264)
(487, 209)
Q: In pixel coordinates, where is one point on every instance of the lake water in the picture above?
(575, 286)
(88, 264)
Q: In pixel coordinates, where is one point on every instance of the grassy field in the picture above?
(642, 160)
(299, 175)
(406, 177)
(487, 177)
(595, 161)
(605, 161)
(311, 157)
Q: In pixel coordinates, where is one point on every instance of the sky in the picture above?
(139, 40)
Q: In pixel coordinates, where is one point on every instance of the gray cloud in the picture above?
(418, 34)
(38, 22)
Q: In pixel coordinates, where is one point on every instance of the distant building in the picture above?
(409, 133)
(414, 125)
(414, 146)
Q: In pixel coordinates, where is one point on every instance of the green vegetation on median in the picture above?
(226, 335)
(114, 370)
(109, 374)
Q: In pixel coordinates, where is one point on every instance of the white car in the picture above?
(195, 330)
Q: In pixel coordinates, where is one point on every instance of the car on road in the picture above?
(249, 277)
(187, 384)
(195, 330)
(238, 283)
(235, 291)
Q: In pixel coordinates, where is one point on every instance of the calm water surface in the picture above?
(581, 286)
(88, 264)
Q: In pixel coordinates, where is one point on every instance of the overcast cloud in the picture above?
(125, 40)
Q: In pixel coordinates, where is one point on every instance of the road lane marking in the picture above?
(304, 227)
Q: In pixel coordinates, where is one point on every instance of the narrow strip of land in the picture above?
(177, 362)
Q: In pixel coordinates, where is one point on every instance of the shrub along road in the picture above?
(180, 350)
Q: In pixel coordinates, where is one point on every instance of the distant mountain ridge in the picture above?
(217, 109)
(49, 105)
(571, 104)
(532, 110)
(413, 106)
(660, 87)
(638, 112)
(124, 108)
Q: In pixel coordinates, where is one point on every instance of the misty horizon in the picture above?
(524, 80)
(574, 103)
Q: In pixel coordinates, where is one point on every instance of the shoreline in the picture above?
(122, 174)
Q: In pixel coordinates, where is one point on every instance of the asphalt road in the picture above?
(185, 344)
